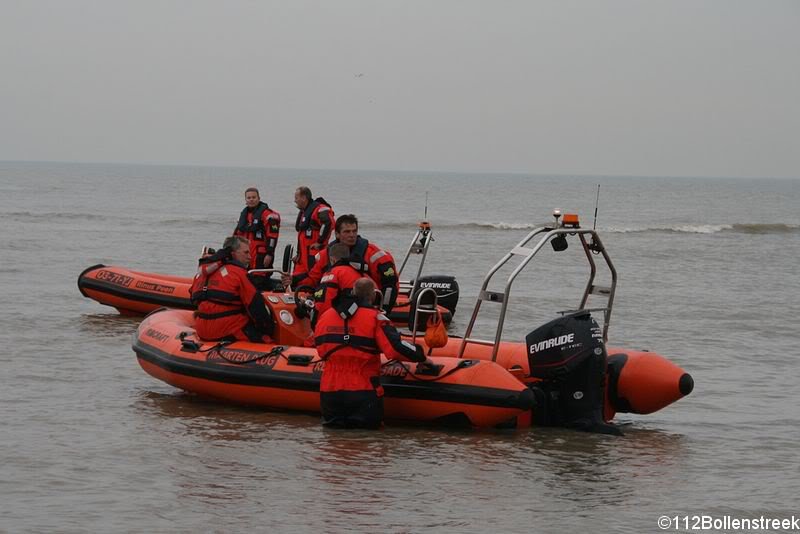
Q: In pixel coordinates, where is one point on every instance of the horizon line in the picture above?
(399, 171)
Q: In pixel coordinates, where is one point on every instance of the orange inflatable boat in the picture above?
(138, 293)
(286, 377)
(563, 374)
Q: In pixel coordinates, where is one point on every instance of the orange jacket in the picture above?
(228, 303)
(336, 283)
(314, 226)
(351, 341)
(368, 260)
(261, 227)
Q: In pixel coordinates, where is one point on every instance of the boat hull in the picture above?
(472, 392)
(136, 293)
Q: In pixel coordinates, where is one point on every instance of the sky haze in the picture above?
(607, 87)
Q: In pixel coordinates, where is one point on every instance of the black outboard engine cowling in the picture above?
(446, 289)
(569, 356)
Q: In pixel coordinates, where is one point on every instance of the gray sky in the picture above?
(645, 87)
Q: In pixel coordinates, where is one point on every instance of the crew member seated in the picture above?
(336, 283)
(350, 338)
(229, 307)
(366, 257)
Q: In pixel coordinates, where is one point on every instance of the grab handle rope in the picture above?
(461, 365)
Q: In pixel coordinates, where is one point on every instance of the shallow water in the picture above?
(92, 443)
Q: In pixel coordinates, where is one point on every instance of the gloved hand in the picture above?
(424, 361)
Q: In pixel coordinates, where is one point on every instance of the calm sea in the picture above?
(708, 278)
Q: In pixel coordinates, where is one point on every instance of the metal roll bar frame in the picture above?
(426, 309)
(527, 254)
(423, 231)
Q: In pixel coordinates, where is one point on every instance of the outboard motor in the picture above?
(446, 289)
(569, 356)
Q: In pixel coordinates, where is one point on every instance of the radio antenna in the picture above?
(426, 206)
(596, 202)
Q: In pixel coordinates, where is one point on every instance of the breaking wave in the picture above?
(195, 221)
(740, 228)
(451, 225)
(747, 228)
(505, 226)
(27, 216)
(49, 217)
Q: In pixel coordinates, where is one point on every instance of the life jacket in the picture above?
(354, 335)
(321, 264)
(336, 284)
(358, 256)
(256, 226)
(200, 292)
(305, 221)
(362, 256)
(263, 235)
(230, 306)
(206, 265)
(314, 226)
(368, 260)
(350, 338)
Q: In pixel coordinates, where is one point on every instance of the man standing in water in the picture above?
(314, 226)
(260, 226)
(350, 337)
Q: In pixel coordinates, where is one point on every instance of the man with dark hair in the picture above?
(228, 304)
(350, 337)
(365, 257)
(260, 226)
(314, 226)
